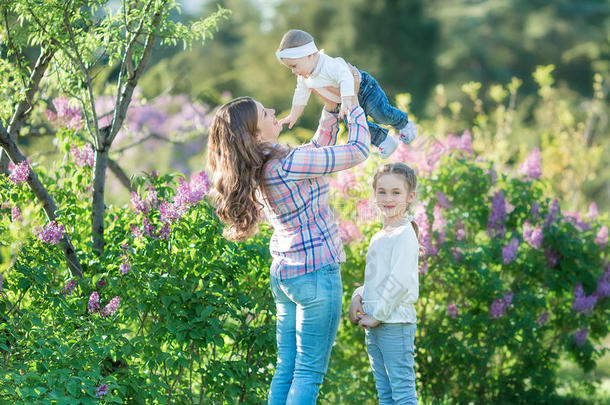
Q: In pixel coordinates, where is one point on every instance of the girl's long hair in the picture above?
(236, 160)
(408, 174)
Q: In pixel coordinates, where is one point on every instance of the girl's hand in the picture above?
(355, 309)
(367, 321)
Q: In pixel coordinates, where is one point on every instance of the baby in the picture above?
(332, 79)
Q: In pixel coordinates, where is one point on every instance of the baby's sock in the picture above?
(387, 147)
(408, 133)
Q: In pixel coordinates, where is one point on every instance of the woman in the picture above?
(253, 173)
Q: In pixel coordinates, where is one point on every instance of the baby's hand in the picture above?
(287, 120)
(367, 321)
(355, 309)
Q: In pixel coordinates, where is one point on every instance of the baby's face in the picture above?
(300, 66)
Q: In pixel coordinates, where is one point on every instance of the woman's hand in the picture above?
(367, 321)
(355, 309)
(330, 105)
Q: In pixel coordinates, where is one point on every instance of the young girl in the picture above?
(333, 79)
(384, 304)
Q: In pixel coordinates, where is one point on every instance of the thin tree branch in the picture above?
(48, 203)
(120, 174)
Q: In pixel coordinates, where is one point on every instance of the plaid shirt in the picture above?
(305, 235)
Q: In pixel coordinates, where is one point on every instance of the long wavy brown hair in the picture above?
(237, 159)
(410, 178)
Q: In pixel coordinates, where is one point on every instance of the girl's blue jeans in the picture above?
(391, 354)
(375, 104)
(308, 311)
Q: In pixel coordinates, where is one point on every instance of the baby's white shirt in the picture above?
(329, 72)
(391, 277)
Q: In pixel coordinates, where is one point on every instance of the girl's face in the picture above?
(300, 66)
(392, 196)
(267, 125)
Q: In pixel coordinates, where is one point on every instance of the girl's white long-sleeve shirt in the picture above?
(391, 277)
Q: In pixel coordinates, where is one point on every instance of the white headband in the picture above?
(297, 52)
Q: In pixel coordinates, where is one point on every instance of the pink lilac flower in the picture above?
(101, 391)
(602, 236)
(593, 211)
(582, 303)
(347, 180)
(200, 185)
(94, 302)
(423, 268)
(16, 214)
(509, 252)
(124, 268)
(52, 233)
(580, 337)
(457, 254)
(421, 217)
(497, 216)
(497, 309)
(366, 210)
(111, 308)
(19, 172)
(460, 232)
(151, 198)
(509, 207)
(533, 236)
(349, 232)
(67, 115)
(139, 205)
(532, 165)
(603, 284)
(136, 232)
(69, 287)
(574, 218)
(543, 318)
(552, 257)
(439, 223)
(551, 217)
(443, 200)
(466, 144)
(83, 157)
(433, 154)
(452, 310)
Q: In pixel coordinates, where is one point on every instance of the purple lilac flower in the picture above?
(535, 210)
(100, 283)
(582, 303)
(439, 223)
(602, 236)
(151, 198)
(552, 257)
(424, 226)
(508, 298)
(574, 218)
(460, 232)
(466, 141)
(443, 200)
(83, 157)
(136, 232)
(111, 308)
(67, 115)
(580, 337)
(543, 318)
(423, 268)
(138, 204)
(497, 309)
(533, 236)
(452, 310)
(51, 233)
(457, 254)
(16, 214)
(200, 185)
(603, 284)
(1, 281)
(497, 216)
(171, 212)
(509, 252)
(551, 217)
(164, 232)
(493, 175)
(148, 228)
(532, 165)
(124, 268)
(19, 172)
(69, 287)
(101, 391)
(94, 302)
(593, 211)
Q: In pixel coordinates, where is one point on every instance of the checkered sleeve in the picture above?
(328, 129)
(303, 162)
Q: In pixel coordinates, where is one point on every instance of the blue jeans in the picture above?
(390, 347)
(308, 311)
(375, 104)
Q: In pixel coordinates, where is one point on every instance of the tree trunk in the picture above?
(99, 185)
